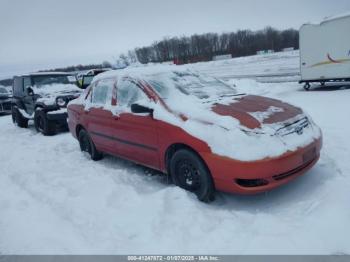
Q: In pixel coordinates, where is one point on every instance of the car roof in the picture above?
(141, 71)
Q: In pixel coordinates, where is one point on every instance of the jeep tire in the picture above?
(42, 124)
(18, 119)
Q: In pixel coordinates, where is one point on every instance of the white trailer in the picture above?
(325, 51)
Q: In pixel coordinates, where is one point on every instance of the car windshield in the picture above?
(3, 90)
(191, 84)
(42, 80)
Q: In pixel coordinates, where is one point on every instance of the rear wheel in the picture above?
(18, 119)
(189, 172)
(307, 86)
(88, 146)
(42, 124)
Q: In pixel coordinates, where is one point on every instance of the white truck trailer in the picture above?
(325, 51)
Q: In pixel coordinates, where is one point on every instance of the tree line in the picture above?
(202, 47)
(198, 47)
(69, 69)
(77, 68)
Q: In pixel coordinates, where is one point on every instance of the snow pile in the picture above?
(276, 67)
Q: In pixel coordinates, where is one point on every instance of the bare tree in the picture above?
(203, 47)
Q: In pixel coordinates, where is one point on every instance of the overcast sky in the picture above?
(40, 34)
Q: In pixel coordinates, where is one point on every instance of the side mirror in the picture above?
(138, 109)
(30, 90)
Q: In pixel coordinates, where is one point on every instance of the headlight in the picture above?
(61, 102)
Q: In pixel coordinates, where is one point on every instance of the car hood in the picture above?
(4, 96)
(48, 94)
(56, 90)
(254, 111)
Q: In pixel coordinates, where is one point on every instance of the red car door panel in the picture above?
(99, 117)
(136, 138)
(100, 127)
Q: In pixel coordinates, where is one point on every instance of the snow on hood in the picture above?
(192, 102)
(226, 137)
(262, 116)
(49, 93)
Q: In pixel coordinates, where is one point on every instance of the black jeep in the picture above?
(43, 97)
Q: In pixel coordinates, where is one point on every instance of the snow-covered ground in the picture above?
(276, 67)
(53, 200)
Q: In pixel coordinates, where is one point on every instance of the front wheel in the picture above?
(88, 146)
(42, 124)
(18, 119)
(190, 173)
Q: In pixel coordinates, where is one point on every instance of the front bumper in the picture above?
(5, 107)
(228, 174)
(57, 116)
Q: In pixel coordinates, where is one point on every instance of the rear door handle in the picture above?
(116, 117)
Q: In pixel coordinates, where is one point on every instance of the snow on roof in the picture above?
(146, 70)
(334, 17)
(327, 19)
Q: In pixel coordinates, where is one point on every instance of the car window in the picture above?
(26, 82)
(18, 86)
(44, 80)
(128, 93)
(102, 92)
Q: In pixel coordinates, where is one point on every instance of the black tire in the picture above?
(87, 145)
(307, 86)
(190, 173)
(18, 119)
(42, 124)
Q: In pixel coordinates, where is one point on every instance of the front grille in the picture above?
(251, 182)
(6, 106)
(295, 127)
(292, 172)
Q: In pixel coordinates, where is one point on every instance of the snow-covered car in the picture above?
(43, 97)
(196, 129)
(5, 101)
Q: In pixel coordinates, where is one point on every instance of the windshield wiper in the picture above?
(242, 94)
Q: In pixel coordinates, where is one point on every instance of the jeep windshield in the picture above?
(44, 80)
(3, 90)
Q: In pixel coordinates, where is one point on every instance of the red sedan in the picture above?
(196, 129)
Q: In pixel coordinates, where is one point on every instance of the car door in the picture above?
(98, 117)
(136, 136)
(28, 99)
